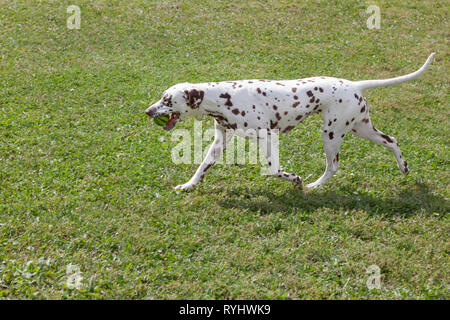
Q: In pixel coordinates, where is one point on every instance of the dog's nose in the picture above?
(149, 112)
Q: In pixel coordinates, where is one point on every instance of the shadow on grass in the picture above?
(410, 201)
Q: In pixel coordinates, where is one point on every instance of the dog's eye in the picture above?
(167, 101)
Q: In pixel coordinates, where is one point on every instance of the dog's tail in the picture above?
(367, 84)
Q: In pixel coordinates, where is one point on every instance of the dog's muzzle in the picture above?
(174, 117)
(150, 112)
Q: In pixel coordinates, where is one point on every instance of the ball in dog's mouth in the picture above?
(173, 119)
(161, 120)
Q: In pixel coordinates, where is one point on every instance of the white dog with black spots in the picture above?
(277, 106)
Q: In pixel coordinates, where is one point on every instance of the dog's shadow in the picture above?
(409, 201)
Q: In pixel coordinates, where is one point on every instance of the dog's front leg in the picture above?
(221, 140)
(270, 151)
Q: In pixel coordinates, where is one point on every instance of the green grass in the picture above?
(87, 179)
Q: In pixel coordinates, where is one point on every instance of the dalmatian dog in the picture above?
(276, 107)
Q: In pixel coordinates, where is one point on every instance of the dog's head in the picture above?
(178, 102)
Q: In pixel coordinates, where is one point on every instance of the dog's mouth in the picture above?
(173, 120)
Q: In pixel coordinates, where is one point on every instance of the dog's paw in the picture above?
(310, 186)
(185, 187)
(404, 168)
(298, 184)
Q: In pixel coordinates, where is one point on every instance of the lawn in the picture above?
(86, 179)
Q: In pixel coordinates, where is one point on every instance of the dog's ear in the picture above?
(193, 97)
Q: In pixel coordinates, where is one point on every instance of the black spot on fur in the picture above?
(167, 100)
(288, 128)
(228, 97)
(273, 125)
(336, 158)
(387, 138)
(194, 97)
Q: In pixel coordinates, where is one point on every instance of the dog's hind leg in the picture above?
(221, 140)
(331, 144)
(364, 129)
